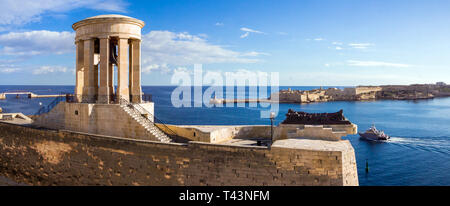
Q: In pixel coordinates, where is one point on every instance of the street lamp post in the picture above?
(272, 116)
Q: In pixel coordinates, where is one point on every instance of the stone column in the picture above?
(122, 73)
(105, 89)
(135, 71)
(111, 82)
(96, 76)
(130, 68)
(79, 70)
(90, 85)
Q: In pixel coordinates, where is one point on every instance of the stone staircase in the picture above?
(149, 125)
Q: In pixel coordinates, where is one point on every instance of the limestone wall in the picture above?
(53, 119)
(47, 157)
(191, 133)
(290, 96)
(319, 132)
(218, 134)
(367, 89)
(104, 119)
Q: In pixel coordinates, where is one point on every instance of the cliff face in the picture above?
(361, 93)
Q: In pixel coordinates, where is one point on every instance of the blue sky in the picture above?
(317, 42)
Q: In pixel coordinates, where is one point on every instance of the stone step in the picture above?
(152, 129)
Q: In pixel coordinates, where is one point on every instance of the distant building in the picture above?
(441, 83)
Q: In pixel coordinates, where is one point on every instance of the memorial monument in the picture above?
(105, 45)
(102, 43)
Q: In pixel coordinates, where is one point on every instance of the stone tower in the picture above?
(102, 43)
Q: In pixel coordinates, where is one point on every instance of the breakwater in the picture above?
(29, 95)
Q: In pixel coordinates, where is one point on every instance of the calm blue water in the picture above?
(419, 153)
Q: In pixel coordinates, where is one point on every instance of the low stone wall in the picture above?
(50, 157)
(218, 134)
(319, 132)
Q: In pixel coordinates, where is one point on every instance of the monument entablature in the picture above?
(104, 26)
(103, 43)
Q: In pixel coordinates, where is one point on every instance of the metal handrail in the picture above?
(72, 98)
(138, 108)
(50, 106)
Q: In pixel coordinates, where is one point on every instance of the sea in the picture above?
(417, 154)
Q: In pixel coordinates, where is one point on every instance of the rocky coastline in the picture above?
(364, 93)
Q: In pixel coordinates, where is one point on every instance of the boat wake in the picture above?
(441, 146)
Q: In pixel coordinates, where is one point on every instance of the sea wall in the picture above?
(51, 157)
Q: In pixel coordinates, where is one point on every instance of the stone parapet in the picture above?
(319, 132)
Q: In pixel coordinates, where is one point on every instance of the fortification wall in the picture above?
(290, 96)
(54, 119)
(367, 89)
(316, 132)
(218, 134)
(104, 119)
(48, 157)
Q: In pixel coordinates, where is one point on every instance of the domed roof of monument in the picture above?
(108, 18)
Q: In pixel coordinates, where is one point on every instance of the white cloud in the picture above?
(251, 30)
(248, 31)
(338, 48)
(37, 42)
(148, 68)
(219, 24)
(319, 39)
(375, 64)
(182, 69)
(337, 43)
(9, 70)
(254, 54)
(162, 49)
(338, 78)
(19, 12)
(245, 35)
(50, 69)
(361, 45)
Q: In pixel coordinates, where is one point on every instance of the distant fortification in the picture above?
(360, 93)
